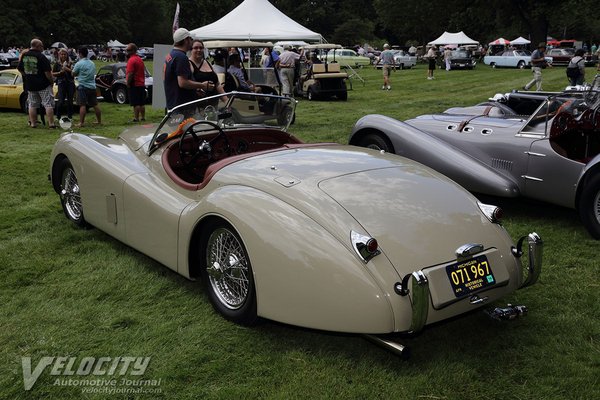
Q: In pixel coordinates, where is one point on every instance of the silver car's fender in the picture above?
(303, 275)
(410, 142)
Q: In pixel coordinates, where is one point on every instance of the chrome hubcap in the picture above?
(227, 268)
(70, 194)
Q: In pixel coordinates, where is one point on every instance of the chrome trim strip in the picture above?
(531, 153)
(532, 178)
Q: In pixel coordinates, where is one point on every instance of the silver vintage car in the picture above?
(544, 146)
(324, 236)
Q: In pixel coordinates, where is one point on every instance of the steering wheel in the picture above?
(191, 150)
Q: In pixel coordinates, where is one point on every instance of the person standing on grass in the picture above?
(447, 55)
(136, 83)
(85, 71)
(431, 58)
(387, 59)
(37, 82)
(62, 71)
(538, 62)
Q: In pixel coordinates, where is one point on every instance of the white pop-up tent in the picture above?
(256, 20)
(115, 43)
(458, 38)
(520, 41)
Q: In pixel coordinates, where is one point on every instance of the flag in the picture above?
(176, 18)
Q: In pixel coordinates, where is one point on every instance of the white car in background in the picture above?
(512, 59)
(401, 58)
(347, 57)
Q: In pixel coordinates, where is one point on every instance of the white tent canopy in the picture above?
(520, 40)
(115, 43)
(458, 39)
(255, 20)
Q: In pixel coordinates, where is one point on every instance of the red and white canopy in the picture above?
(500, 41)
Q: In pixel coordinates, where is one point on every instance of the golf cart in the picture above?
(320, 78)
(265, 78)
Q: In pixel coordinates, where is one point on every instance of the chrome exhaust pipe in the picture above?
(398, 349)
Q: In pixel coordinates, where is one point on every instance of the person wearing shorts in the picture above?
(85, 71)
(387, 59)
(38, 82)
(136, 82)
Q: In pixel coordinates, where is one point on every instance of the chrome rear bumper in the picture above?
(532, 270)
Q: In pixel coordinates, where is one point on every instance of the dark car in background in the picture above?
(7, 61)
(561, 56)
(461, 59)
(112, 86)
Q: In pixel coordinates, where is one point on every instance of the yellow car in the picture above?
(12, 94)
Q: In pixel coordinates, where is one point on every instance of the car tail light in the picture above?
(365, 246)
(493, 213)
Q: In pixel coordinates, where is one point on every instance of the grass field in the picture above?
(68, 292)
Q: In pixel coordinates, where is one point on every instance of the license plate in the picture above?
(470, 276)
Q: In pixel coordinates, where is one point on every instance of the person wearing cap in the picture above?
(178, 81)
(538, 62)
(387, 58)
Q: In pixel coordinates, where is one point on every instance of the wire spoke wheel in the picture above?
(70, 195)
(228, 269)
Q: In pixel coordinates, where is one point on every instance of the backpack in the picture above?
(573, 73)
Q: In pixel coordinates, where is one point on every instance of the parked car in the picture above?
(321, 79)
(147, 53)
(347, 57)
(7, 61)
(402, 60)
(323, 236)
(561, 56)
(511, 58)
(12, 94)
(544, 146)
(461, 59)
(112, 85)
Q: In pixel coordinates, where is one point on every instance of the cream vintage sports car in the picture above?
(325, 236)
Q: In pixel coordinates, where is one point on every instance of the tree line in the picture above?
(347, 22)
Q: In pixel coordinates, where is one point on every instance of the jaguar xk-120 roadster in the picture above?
(544, 146)
(325, 236)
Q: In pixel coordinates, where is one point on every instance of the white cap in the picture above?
(386, 46)
(180, 34)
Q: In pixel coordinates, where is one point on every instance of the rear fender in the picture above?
(410, 142)
(303, 275)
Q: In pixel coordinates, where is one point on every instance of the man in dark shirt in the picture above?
(538, 62)
(177, 73)
(38, 82)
